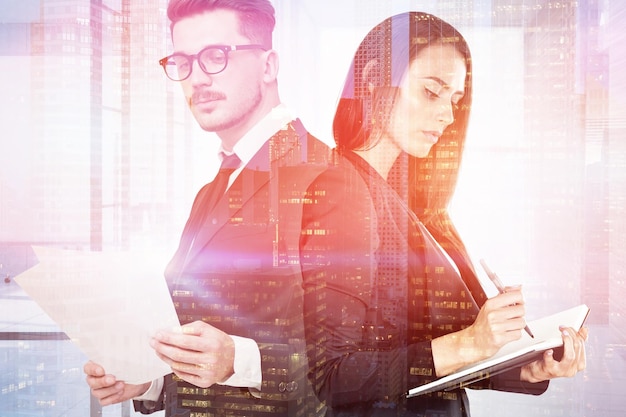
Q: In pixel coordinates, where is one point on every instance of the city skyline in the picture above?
(100, 154)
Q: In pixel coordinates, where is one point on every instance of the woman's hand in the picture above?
(573, 361)
(499, 321)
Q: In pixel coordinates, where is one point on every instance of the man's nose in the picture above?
(198, 76)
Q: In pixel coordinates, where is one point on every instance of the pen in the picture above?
(496, 281)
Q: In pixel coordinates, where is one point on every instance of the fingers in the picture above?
(199, 353)
(574, 357)
(179, 348)
(105, 388)
(572, 361)
(199, 369)
(110, 395)
(96, 377)
(584, 333)
(93, 369)
(204, 371)
(500, 321)
(511, 297)
(506, 312)
(507, 307)
(181, 338)
(100, 382)
(196, 328)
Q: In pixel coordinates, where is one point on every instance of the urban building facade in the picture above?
(99, 153)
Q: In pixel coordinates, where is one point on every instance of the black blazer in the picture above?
(378, 288)
(241, 274)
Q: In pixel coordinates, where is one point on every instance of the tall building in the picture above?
(95, 157)
(99, 152)
(613, 38)
(553, 128)
(110, 153)
(595, 275)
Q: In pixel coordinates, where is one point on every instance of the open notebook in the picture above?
(514, 354)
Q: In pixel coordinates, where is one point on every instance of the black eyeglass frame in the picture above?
(190, 58)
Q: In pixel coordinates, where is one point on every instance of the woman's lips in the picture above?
(432, 136)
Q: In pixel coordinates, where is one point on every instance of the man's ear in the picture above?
(270, 72)
(371, 75)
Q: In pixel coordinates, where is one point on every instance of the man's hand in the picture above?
(107, 389)
(201, 354)
(573, 360)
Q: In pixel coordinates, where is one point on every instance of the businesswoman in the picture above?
(391, 298)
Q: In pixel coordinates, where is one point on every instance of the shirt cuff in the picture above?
(247, 365)
(153, 392)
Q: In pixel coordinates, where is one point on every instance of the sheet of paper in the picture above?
(513, 354)
(108, 304)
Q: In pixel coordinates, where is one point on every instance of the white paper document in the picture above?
(514, 354)
(108, 304)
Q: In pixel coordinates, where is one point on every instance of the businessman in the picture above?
(235, 277)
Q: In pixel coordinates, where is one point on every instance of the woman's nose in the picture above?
(446, 113)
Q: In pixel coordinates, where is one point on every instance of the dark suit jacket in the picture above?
(378, 289)
(242, 275)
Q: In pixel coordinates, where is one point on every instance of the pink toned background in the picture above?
(98, 152)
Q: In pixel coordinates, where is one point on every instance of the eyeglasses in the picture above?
(212, 60)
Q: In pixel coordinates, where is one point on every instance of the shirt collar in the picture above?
(256, 137)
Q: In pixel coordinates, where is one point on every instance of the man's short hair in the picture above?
(256, 17)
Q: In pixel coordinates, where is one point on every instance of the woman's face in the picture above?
(432, 87)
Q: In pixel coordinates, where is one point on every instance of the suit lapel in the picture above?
(286, 147)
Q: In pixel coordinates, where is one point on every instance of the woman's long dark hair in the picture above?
(381, 61)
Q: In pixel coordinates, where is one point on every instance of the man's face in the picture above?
(225, 103)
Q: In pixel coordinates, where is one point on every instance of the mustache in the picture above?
(200, 96)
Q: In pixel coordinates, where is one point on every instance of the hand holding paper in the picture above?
(109, 305)
(201, 354)
(107, 389)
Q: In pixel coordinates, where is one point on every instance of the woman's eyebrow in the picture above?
(445, 85)
(438, 80)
